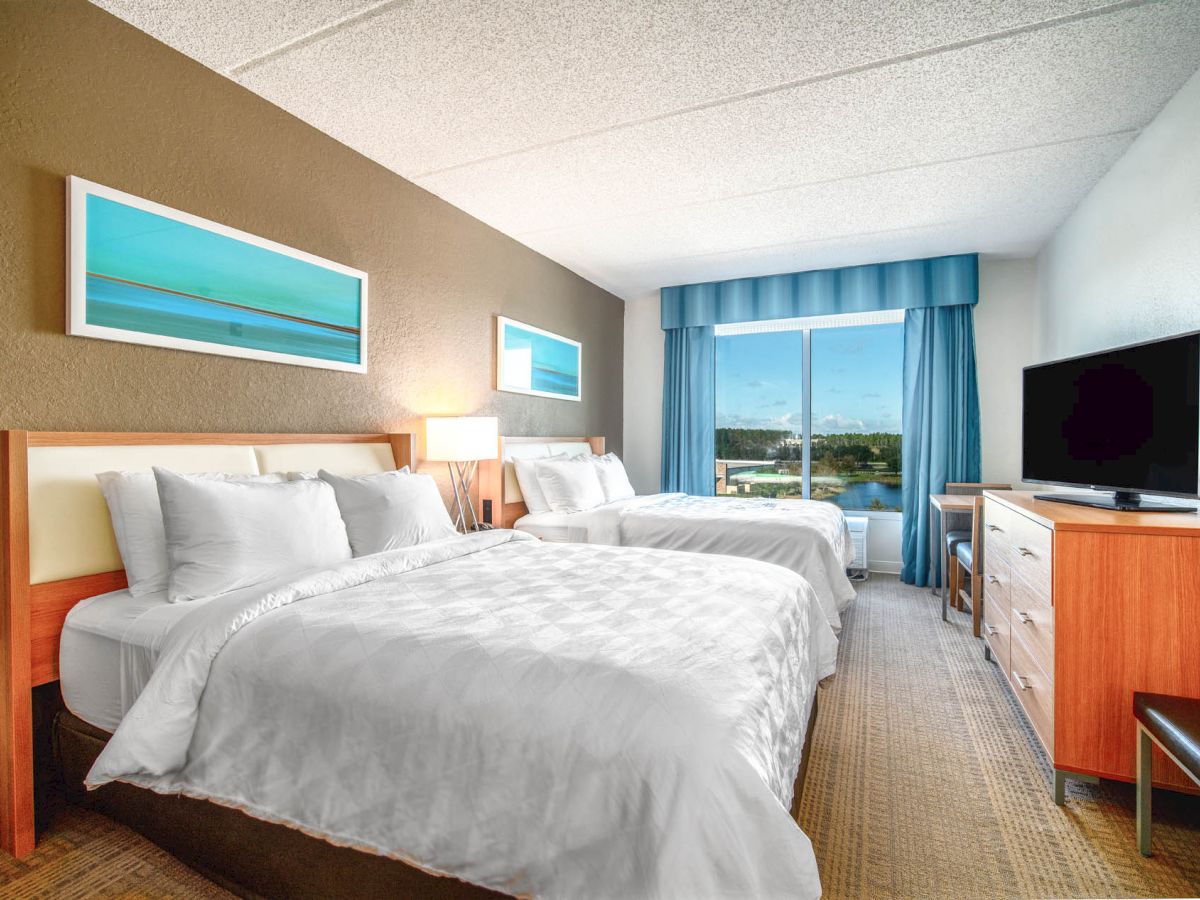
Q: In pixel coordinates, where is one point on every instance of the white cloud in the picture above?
(836, 422)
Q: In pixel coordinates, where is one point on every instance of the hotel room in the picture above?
(678, 449)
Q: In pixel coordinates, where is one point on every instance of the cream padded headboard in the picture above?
(341, 459)
(70, 532)
(530, 449)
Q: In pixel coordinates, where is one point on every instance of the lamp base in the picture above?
(461, 475)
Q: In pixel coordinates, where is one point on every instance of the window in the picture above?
(810, 408)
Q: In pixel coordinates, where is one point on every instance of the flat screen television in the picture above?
(1125, 420)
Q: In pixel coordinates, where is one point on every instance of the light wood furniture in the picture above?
(941, 507)
(32, 614)
(973, 573)
(500, 502)
(1082, 608)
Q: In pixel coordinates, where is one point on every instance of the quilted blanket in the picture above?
(546, 720)
(810, 537)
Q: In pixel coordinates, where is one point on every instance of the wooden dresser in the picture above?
(1082, 607)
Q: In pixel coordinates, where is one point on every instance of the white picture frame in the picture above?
(339, 345)
(537, 362)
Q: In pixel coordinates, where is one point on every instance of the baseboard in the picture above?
(883, 567)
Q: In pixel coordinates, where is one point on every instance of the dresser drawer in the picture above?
(1026, 543)
(995, 632)
(1032, 617)
(996, 577)
(1034, 688)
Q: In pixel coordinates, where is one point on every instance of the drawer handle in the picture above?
(991, 629)
(1021, 680)
(1025, 551)
(994, 528)
(1025, 618)
(993, 579)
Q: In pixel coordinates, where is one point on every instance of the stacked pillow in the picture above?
(199, 536)
(567, 484)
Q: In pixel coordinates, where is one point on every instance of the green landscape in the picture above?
(855, 471)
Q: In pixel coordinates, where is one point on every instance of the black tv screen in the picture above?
(1126, 419)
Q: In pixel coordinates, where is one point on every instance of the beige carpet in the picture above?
(925, 780)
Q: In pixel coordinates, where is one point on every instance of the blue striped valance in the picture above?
(909, 284)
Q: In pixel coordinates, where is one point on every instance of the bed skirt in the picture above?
(256, 859)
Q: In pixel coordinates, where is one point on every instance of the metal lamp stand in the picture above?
(461, 475)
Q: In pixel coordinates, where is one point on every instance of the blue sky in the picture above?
(856, 379)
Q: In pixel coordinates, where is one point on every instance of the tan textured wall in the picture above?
(83, 93)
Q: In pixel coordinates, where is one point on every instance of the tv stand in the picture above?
(1120, 501)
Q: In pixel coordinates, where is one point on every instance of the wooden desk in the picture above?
(944, 504)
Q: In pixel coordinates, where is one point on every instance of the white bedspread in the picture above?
(810, 537)
(544, 719)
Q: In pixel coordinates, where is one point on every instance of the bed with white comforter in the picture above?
(810, 537)
(542, 719)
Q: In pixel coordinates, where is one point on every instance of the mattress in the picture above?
(109, 646)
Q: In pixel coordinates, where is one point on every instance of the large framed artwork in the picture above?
(530, 360)
(144, 273)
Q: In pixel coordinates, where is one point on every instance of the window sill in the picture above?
(886, 514)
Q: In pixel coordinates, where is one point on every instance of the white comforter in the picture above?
(553, 720)
(809, 537)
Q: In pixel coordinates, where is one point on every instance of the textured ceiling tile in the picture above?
(650, 143)
(225, 33)
(1005, 236)
(1093, 77)
(1040, 185)
(436, 84)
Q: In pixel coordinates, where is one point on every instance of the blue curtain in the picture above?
(908, 284)
(941, 422)
(689, 411)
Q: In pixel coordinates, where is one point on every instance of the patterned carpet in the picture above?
(924, 782)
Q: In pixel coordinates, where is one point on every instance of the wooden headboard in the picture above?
(500, 498)
(57, 548)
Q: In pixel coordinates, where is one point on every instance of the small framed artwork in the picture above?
(144, 273)
(533, 361)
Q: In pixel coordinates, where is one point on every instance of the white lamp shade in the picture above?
(461, 438)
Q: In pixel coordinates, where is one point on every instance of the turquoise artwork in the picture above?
(533, 361)
(148, 274)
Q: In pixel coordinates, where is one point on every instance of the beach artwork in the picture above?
(144, 273)
(532, 361)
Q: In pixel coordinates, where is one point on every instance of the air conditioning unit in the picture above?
(859, 526)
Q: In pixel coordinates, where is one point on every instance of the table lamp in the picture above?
(461, 442)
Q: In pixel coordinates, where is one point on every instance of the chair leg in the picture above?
(976, 602)
(1144, 790)
(952, 581)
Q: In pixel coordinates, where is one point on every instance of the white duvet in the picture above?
(551, 720)
(810, 537)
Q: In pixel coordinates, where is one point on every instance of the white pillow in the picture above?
(132, 499)
(613, 479)
(390, 510)
(527, 478)
(570, 484)
(226, 535)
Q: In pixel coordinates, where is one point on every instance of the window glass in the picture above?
(759, 414)
(856, 397)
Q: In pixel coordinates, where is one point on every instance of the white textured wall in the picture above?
(1005, 341)
(1125, 266)
(643, 393)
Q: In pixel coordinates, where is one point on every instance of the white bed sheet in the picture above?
(556, 527)
(109, 646)
(807, 536)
